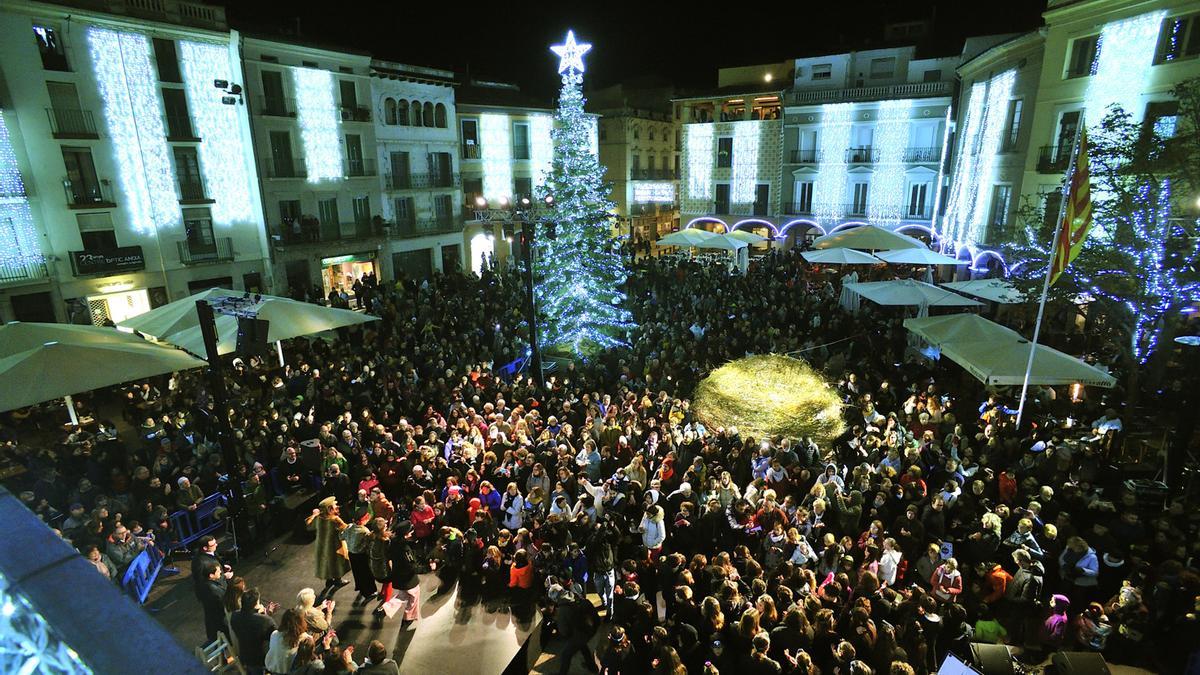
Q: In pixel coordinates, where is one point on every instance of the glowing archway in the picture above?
(849, 223)
(707, 219)
(917, 226)
(982, 255)
(752, 222)
(800, 221)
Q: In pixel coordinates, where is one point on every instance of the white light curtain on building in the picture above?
(18, 237)
(1125, 54)
(699, 167)
(885, 206)
(541, 148)
(745, 163)
(320, 124)
(829, 192)
(496, 154)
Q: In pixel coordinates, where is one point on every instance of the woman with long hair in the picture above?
(284, 641)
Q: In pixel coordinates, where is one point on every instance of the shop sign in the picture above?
(123, 259)
(353, 257)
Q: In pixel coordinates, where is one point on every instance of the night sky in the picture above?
(683, 43)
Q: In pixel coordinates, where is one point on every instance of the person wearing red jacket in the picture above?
(421, 517)
(993, 583)
(946, 581)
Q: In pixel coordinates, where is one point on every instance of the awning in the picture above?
(909, 292)
(996, 290)
(869, 237)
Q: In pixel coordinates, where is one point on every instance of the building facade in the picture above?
(129, 176)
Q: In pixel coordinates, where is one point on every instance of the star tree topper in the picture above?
(571, 54)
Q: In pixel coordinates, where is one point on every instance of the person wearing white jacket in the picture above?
(653, 530)
(889, 562)
(513, 508)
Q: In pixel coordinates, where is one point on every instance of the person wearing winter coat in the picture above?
(512, 508)
(946, 581)
(1079, 565)
(1023, 593)
(653, 531)
(1054, 629)
(332, 559)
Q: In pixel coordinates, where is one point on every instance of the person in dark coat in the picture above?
(405, 581)
(212, 595)
(252, 630)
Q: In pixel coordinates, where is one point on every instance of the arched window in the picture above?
(651, 132)
(439, 115)
(389, 111)
(428, 114)
(402, 112)
(416, 114)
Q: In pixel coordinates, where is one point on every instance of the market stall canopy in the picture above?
(870, 237)
(1002, 363)
(939, 330)
(748, 237)
(917, 256)
(722, 242)
(688, 237)
(840, 256)
(44, 361)
(909, 292)
(178, 324)
(996, 290)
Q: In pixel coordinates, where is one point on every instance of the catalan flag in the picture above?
(1077, 218)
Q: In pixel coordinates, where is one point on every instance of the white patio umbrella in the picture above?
(840, 256)
(44, 361)
(940, 330)
(688, 237)
(917, 256)
(869, 237)
(723, 242)
(748, 237)
(910, 293)
(1002, 363)
(996, 290)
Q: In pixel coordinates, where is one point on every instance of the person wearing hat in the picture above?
(332, 559)
(405, 581)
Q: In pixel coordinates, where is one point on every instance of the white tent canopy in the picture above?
(909, 292)
(917, 256)
(939, 330)
(870, 237)
(723, 242)
(1002, 363)
(746, 236)
(996, 290)
(688, 237)
(178, 324)
(840, 256)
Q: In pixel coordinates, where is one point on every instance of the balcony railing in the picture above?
(275, 106)
(358, 168)
(67, 123)
(1054, 158)
(720, 207)
(422, 181)
(179, 128)
(422, 228)
(799, 209)
(314, 232)
(653, 174)
(355, 113)
(922, 155)
(284, 168)
(198, 253)
(919, 211)
(470, 151)
(854, 209)
(804, 157)
(863, 155)
(191, 191)
(93, 194)
(914, 90)
(22, 272)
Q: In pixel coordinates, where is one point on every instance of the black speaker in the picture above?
(252, 336)
(991, 659)
(1079, 663)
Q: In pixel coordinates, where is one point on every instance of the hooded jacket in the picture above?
(1026, 585)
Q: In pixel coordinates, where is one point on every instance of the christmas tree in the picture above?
(579, 273)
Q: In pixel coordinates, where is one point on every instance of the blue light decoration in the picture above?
(320, 124)
(134, 116)
(223, 152)
(495, 147)
(745, 164)
(887, 198)
(18, 237)
(700, 142)
(829, 192)
(541, 150)
(579, 273)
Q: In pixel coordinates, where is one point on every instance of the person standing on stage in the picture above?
(405, 581)
(358, 541)
(332, 558)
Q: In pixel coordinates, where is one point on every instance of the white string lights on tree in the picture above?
(18, 236)
(745, 164)
(886, 203)
(495, 143)
(829, 192)
(699, 140)
(1124, 57)
(222, 154)
(134, 116)
(320, 124)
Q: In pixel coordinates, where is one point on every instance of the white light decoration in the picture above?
(571, 53)
(18, 237)
(886, 203)
(829, 192)
(653, 193)
(541, 150)
(937, 186)
(954, 225)
(996, 114)
(320, 124)
(1125, 54)
(134, 117)
(496, 155)
(745, 163)
(593, 124)
(699, 164)
(222, 154)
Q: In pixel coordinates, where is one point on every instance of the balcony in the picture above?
(355, 113)
(919, 211)
(191, 191)
(88, 194)
(863, 155)
(179, 128)
(360, 168)
(1053, 158)
(915, 90)
(422, 181)
(854, 209)
(67, 123)
(432, 226)
(470, 151)
(14, 273)
(653, 174)
(520, 152)
(275, 106)
(283, 168)
(923, 155)
(804, 157)
(799, 209)
(199, 253)
(311, 231)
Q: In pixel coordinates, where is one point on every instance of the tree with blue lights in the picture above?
(579, 274)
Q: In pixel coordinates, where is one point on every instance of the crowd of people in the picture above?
(932, 522)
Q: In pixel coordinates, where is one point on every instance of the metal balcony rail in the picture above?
(68, 123)
(192, 252)
(277, 167)
(884, 92)
(275, 106)
(88, 193)
(804, 156)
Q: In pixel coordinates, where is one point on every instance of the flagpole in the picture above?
(1037, 326)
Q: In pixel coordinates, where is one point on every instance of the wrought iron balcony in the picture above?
(276, 167)
(275, 106)
(355, 113)
(311, 231)
(1053, 158)
(67, 123)
(179, 128)
(470, 151)
(653, 174)
(804, 157)
(923, 155)
(422, 181)
(199, 253)
(800, 208)
(863, 155)
(359, 168)
(884, 92)
(13, 273)
(422, 228)
(88, 194)
(191, 191)
(919, 211)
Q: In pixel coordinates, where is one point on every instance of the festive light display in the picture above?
(18, 236)
(496, 154)
(699, 143)
(579, 273)
(954, 226)
(975, 166)
(134, 117)
(995, 115)
(887, 199)
(745, 163)
(1124, 56)
(937, 186)
(653, 192)
(223, 152)
(541, 151)
(829, 192)
(320, 124)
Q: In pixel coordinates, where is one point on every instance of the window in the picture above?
(443, 210)
(635, 162)
(402, 112)
(762, 198)
(389, 111)
(198, 225)
(1162, 118)
(520, 140)
(428, 114)
(179, 122)
(82, 184)
(167, 60)
(273, 101)
(327, 211)
(859, 205)
(1001, 195)
(822, 71)
(524, 187)
(1067, 125)
(440, 169)
(349, 95)
(883, 68)
(289, 211)
(931, 76)
(50, 46)
(362, 210)
(470, 139)
(1179, 38)
(187, 172)
(918, 197)
(650, 132)
(310, 64)
(1014, 124)
(725, 152)
(281, 155)
(1082, 61)
(355, 164)
(268, 58)
(803, 197)
(722, 198)
(416, 114)
(400, 178)
(472, 188)
(96, 231)
(637, 132)
(439, 116)
(404, 211)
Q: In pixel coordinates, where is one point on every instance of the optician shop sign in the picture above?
(123, 259)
